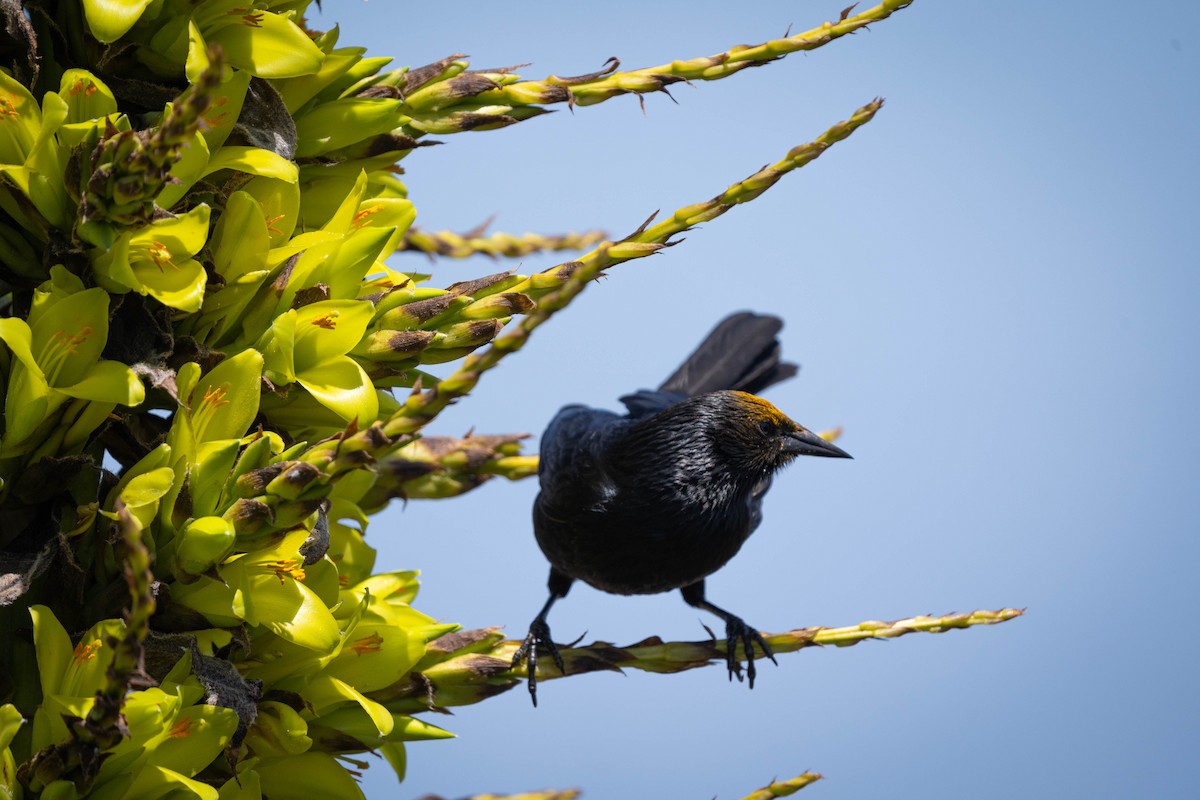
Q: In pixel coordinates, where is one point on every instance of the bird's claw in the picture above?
(538, 637)
(738, 631)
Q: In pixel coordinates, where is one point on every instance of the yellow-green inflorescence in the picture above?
(213, 375)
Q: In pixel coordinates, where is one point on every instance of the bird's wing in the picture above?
(741, 353)
(571, 469)
(647, 402)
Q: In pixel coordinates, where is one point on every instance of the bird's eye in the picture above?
(767, 427)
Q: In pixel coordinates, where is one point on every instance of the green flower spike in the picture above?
(254, 39)
(266, 588)
(205, 152)
(239, 246)
(261, 42)
(224, 401)
(216, 410)
(169, 726)
(308, 346)
(29, 155)
(356, 233)
(156, 260)
(374, 654)
(172, 737)
(65, 670)
(57, 357)
(383, 640)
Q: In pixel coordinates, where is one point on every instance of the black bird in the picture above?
(662, 497)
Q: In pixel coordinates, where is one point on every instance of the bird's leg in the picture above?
(735, 630)
(539, 634)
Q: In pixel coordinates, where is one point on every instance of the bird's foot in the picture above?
(538, 637)
(736, 630)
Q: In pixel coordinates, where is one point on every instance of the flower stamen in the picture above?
(181, 729)
(328, 320)
(85, 652)
(367, 644)
(86, 88)
(286, 567)
(213, 399)
(251, 19)
(215, 117)
(63, 344)
(160, 255)
(363, 216)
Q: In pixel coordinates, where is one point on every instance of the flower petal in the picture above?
(343, 387)
(108, 382)
(329, 329)
(178, 285)
(225, 400)
(109, 20)
(69, 334)
(265, 44)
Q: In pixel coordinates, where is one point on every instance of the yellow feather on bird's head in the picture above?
(756, 433)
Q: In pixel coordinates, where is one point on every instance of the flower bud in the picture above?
(203, 544)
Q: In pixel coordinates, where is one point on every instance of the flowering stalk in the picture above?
(784, 788)
(570, 279)
(483, 666)
(495, 245)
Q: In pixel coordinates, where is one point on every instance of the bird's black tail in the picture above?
(741, 353)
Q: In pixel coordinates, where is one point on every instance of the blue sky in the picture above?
(993, 287)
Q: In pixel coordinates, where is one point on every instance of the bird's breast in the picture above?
(632, 545)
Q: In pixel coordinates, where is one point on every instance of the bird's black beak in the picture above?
(807, 443)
